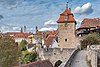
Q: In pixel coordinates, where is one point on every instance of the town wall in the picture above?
(55, 54)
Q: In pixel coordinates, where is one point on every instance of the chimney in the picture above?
(24, 29)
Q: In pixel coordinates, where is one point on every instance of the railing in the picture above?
(68, 63)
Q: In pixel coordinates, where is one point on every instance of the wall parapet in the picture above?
(93, 54)
(71, 57)
(55, 54)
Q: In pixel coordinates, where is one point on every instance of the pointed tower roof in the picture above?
(68, 14)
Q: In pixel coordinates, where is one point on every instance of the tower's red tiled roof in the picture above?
(87, 23)
(70, 17)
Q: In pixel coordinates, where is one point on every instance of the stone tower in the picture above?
(66, 30)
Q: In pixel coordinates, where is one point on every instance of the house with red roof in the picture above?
(51, 41)
(19, 36)
(47, 39)
(89, 25)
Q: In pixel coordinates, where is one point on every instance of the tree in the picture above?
(28, 57)
(23, 45)
(9, 52)
(90, 39)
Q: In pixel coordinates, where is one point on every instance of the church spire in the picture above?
(36, 29)
(67, 4)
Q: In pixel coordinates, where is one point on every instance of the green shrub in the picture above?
(28, 57)
(90, 39)
(23, 45)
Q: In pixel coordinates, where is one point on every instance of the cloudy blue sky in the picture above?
(43, 13)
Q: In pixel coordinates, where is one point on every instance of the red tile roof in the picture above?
(67, 13)
(55, 32)
(19, 34)
(43, 63)
(38, 33)
(48, 36)
(87, 23)
(49, 40)
(51, 35)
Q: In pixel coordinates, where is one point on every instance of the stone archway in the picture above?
(58, 63)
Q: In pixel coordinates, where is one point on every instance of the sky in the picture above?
(15, 14)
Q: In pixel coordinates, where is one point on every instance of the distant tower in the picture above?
(36, 29)
(21, 30)
(66, 29)
(24, 29)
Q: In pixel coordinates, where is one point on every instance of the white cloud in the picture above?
(78, 22)
(47, 29)
(16, 28)
(86, 8)
(49, 26)
(50, 22)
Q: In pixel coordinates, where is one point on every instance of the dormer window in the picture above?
(66, 17)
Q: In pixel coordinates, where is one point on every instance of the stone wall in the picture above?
(55, 54)
(70, 59)
(93, 54)
(98, 58)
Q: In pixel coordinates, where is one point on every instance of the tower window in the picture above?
(65, 40)
(66, 17)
